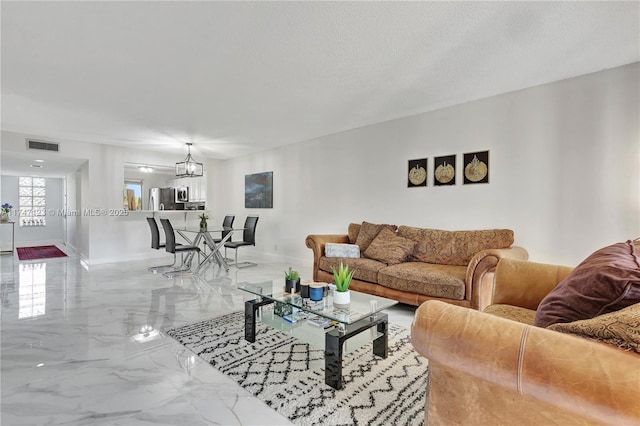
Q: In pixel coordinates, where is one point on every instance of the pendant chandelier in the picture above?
(189, 167)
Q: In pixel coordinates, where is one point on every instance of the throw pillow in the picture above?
(341, 250)
(606, 281)
(368, 231)
(354, 229)
(620, 328)
(389, 248)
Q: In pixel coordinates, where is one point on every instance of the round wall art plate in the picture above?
(444, 172)
(476, 167)
(417, 173)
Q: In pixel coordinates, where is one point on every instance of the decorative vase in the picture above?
(203, 225)
(281, 309)
(341, 299)
(316, 291)
(304, 289)
(292, 284)
(4, 217)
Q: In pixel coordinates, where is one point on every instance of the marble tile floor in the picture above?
(85, 345)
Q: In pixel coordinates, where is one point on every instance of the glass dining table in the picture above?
(194, 236)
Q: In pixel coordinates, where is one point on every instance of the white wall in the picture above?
(82, 222)
(74, 190)
(564, 175)
(564, 171)
(52, 233)
(99, 183)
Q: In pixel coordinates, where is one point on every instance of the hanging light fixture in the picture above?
(189, 167)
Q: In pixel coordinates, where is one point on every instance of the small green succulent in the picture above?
(291, 274)
(342, 277)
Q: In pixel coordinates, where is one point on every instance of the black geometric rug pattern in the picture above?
(288, 375)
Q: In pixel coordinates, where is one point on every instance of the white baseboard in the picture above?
(286, 259)
(248, 255)
(155, 254)
(36, 243)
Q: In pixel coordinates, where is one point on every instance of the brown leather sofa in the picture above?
(486, 369)
(454, 276)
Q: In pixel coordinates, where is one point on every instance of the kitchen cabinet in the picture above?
(197, 187)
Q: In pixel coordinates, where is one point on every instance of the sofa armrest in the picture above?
(577, 375)
(316, 243)
(524, 284)
(480, 272)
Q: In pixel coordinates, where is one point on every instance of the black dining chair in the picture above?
(172, 247)
(156, 245)
(226, 223)
(248, 239)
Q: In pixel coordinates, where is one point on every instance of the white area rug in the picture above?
(288, 375)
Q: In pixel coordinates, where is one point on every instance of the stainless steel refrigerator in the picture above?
(163, 199)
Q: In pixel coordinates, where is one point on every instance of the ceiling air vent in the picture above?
(42, 146)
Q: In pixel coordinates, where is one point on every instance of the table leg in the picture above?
(219, 255)
(250, 309)
(333, 360)
(334, 341)
(215, 251)
(211, 244)
(194, 242)
(381, 344)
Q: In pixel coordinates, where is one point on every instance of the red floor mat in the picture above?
(39, 252)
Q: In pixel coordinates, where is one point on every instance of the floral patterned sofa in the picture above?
(412, 265)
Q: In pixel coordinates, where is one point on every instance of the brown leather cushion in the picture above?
(389, 248)
(620, 328)
(368, 231)
(606, 281)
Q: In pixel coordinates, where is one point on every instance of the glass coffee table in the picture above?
(319, 323)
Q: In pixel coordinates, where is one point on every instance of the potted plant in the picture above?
(291, 280)
(342, 277)
(203, 221)
(6, 208)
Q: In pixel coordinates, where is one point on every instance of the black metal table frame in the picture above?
(334, 338)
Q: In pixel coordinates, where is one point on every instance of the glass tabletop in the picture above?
(196, 230)
(362, 305)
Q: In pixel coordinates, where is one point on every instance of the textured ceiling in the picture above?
(240, 77)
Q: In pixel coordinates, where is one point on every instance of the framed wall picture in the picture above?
(476, 167)
(444, 170)
(258, 191)
(417, 173)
